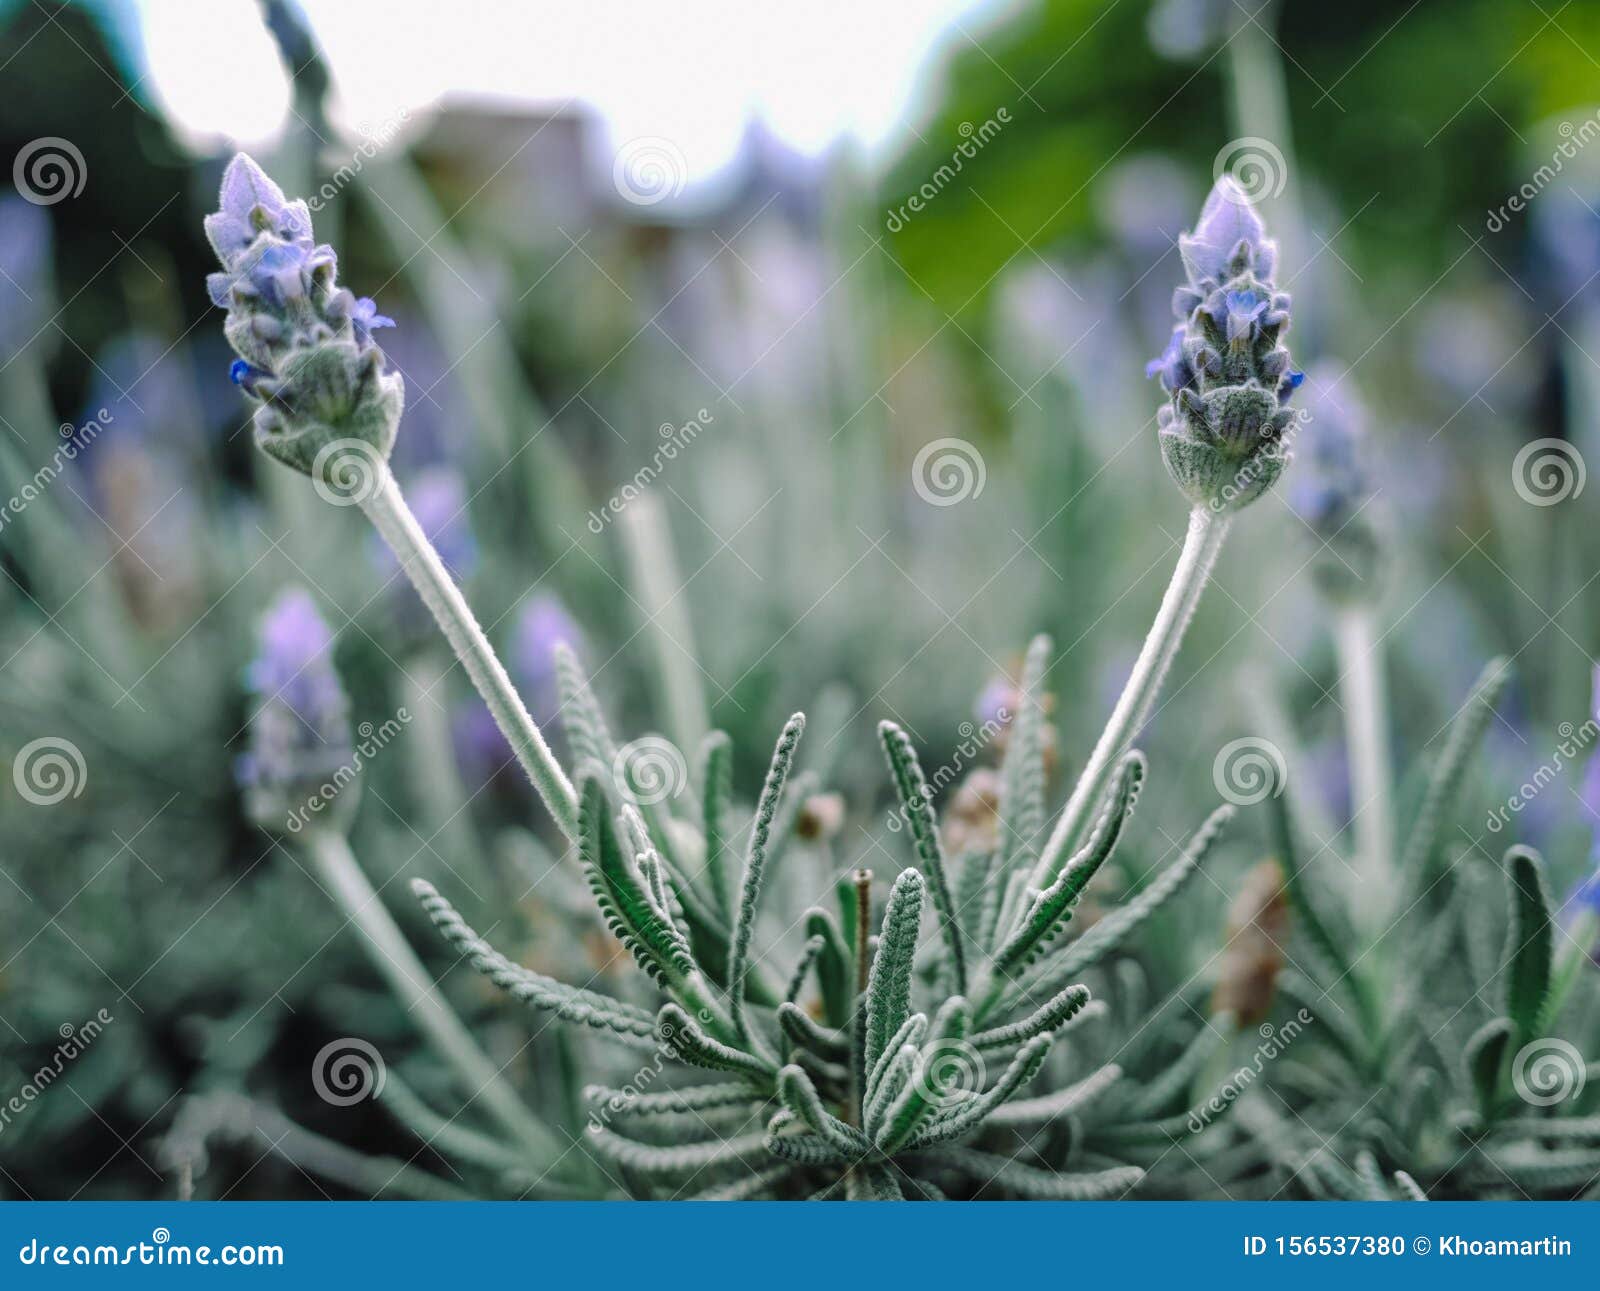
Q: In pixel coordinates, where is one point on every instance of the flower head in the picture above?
(300, 734)
(1228, 377)
(305, 343)
(1333, 487)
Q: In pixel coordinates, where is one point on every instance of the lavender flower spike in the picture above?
(1333, 489)
(300, 735)
(306, 353)
(1228, 377)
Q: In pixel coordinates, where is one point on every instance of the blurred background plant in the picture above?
(830, 420)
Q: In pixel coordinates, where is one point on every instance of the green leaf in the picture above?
(581, 717)
(889, 984)
(1022, 783)
(660, 949)
(686, 1040)
(755, 869)
(1411, 1189)
(1528, 940)
(932, 1077)
(1485, 1058)
(833, 967)
(967, 1116)
(911, 1032)
(696, 1098)
(823, 1041)
(799, 1095)
(917, 800)
(1024, 1112)
(1005, 1175)
(1323, 946)
(569, 1003)
(716, 777)
(1113, 927)
(678, 1159)
(1466, 732)
(1052, 908)
(1052, 1014)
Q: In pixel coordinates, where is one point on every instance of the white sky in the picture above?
(690, 71)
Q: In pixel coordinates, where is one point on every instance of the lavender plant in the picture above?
(863, 1069)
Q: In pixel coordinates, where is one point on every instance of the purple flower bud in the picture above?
(1221, 433)
(542, 625)
(300, 734)
(1227, 221)
(313, 368)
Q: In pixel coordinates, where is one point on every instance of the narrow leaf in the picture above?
(889, 985)
(917, 800)
(755, 869)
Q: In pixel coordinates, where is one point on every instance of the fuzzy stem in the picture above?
(392, 955)
(1207, 529)
(392, 517)
(1371, 776)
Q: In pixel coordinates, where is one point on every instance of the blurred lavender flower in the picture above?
(1584, 899)
(300, 734)
(542, 625)
(1333, 488)
(438, 497)
(1228, 378)
(305, 347)
(26, 255)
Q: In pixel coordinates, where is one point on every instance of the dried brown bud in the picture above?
(821, 816)
(1258, 927)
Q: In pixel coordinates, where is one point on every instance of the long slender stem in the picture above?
(399, 528)
(1371, 776)
(1207, 529)
(391, 953)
